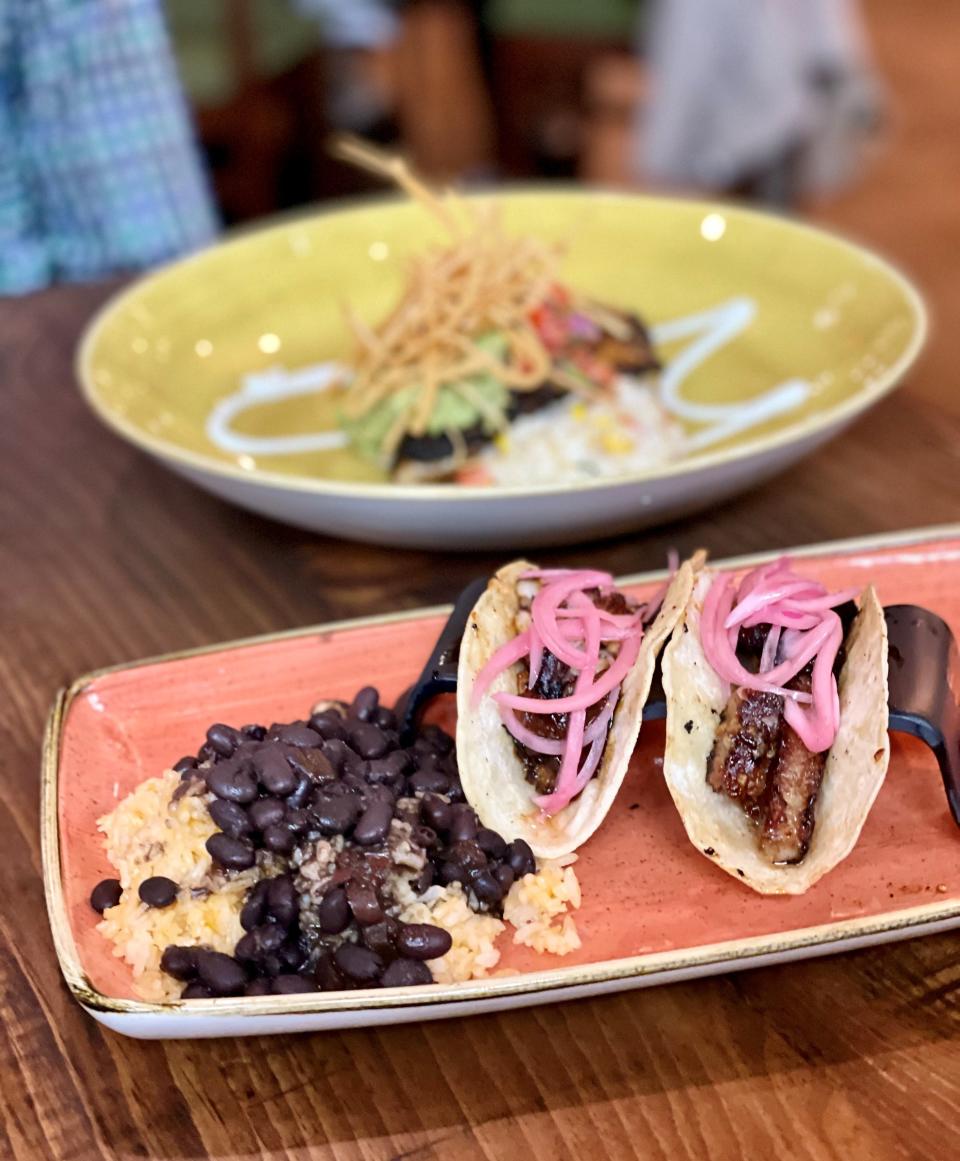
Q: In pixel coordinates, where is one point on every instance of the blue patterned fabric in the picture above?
(99, 171)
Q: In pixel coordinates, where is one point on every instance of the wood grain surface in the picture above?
(105, 557)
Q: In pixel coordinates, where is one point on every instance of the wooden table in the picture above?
(106, 557)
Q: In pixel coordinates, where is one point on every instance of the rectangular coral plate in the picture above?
(654, 909)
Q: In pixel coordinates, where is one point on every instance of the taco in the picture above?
(555, 668)
(776, 723)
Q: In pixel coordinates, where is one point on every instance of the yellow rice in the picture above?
(536, 907)
(149, 834)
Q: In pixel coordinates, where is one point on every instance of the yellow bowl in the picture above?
(169, 353)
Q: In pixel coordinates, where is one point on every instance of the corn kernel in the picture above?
(616, 443)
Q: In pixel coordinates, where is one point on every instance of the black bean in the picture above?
(424, 879)
(323, 794)
(379, 792)
(423, 836)
(520, 858)
(314, 763)
(406, 973)
(207, 754)
(185, 764)
(438, 738)
(364, 902)
(468, 855)
(221, 973)
(455, 791)
(296, 821)
(428, 779)
(254, 733)
(279, 839)
(158, 891)
(369, 740)
(423, 748)
(333, 911)
(385, 718)
(179, 962)
(265, 812)
(351, 782)
(365, 705)
(336, 815)
(254, 907)
(106, 894)
(282, 901)
(301, 792)
(293, 983)
(435, 812)
(373, 826)
(230, 817)
(486, 888)
(272, 937)
(423, 941)
(260, 942)
(258, 987)
(342, 757)
(382, 938)
(452, 873)
(231, 779)
(273, 770)
(188, 780)
(224, 739)
(463, 823)
(388, 767)
(290, 956)
(504, 876)
(329, 724)
(328, 974)
(196, 991)
(295, 735)
(230, 853)
(358, 963)
(488, 840)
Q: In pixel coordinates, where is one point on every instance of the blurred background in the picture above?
(133, 130)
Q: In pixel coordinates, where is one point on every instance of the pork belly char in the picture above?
(746, 746)
(760, 762)
(787, 812)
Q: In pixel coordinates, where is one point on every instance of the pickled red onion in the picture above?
(803, 628)
(565, 621)
(551, 803)
(506, 655)
(554, 746)
(600, 688)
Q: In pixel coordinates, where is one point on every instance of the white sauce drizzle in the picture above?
(708, 331)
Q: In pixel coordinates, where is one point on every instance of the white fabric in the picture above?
(736, 84)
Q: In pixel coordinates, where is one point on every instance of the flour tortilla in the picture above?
(855, 768)
(490, 770)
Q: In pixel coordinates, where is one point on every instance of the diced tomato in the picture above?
(560, 294)
(475, 475)
(538, 316)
